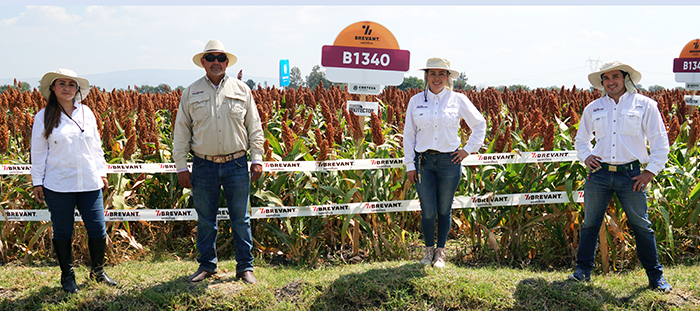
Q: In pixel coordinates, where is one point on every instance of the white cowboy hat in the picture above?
(597, 81)
(49, 77)
(440, 63)
(214, 46)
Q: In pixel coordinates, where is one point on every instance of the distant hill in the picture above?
(152, 77)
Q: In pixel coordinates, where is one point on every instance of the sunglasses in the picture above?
(210, 58)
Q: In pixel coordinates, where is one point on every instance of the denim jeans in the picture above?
(598, 192)
(62, 208)
(207, 179)
(436, 191)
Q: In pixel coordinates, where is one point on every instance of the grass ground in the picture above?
(395, 285)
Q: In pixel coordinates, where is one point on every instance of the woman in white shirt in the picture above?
(69, 171)
(432, 151)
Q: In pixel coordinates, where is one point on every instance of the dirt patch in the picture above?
(291, 291)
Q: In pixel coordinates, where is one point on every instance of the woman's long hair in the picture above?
(52, 114)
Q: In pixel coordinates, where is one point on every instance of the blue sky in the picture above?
(535, 45)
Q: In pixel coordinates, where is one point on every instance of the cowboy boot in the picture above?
(64, 255)
(97, 256)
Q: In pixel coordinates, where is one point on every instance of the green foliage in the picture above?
(295, 79)
(24, 88)
(411, 83)
(251, 84)
(317, 76)
(160, 89)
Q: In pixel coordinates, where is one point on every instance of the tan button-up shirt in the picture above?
(217, 121)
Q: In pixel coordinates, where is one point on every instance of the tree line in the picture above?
(318, 76)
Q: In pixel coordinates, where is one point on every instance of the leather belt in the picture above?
(621, 167)
(432, 151)
(220, 158)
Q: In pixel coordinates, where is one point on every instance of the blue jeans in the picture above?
(207, 179)
(598, 192)
(62, 207)
(436, 191)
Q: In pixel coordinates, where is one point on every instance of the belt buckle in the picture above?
(218, 159)
(612, 168)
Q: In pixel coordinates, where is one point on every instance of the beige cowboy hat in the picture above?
(597, 81)
(50, 77)
(214, 46)
(440, 63)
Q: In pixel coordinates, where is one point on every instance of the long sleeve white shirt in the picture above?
(70, 160)
(621, 132)
(434, 124)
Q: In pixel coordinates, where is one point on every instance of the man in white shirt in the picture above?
(217, 121)
(622, 121)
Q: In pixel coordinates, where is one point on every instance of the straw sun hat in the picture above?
(597, 82)
(440, 64)
(49, 77)
(214, 46)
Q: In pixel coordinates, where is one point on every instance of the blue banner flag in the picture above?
(284, 72)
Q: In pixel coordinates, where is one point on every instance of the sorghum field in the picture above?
(307, 125)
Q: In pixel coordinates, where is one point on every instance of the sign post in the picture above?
(365, 55)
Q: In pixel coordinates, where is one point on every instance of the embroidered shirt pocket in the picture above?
(421, 117)
(600, 124)
(237, 106)
(631, 123)
(451, 117)
(199, 107)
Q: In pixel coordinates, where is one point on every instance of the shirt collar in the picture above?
(440, 95)
(622, 97)
(220, 84)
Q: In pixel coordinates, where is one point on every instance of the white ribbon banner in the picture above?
(314, 210)
(334, 165)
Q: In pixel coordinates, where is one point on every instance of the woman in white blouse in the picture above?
(432, 151)
(69, 171)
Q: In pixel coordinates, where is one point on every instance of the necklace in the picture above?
(82, 130)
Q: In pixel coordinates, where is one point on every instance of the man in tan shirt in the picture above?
(217, 121)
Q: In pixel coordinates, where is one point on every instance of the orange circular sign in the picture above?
(367, 34)
(691, 50)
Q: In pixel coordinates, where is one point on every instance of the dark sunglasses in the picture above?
(210, 58)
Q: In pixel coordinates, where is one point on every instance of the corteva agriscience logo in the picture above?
(387, 162)
(124, 168)
(15, 169)
(272, 166)
(330, 209)
(366, 37)
(542, 197)
(549, 155)
(495, 158)
(18, 214)
(277, 211)
(382, 206)
(172, 213)
(335, 164)
(489, 200)
(122, 214)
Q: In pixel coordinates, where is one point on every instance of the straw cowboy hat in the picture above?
(49, 77)
(597, 81)
(440, 63)
(212, 47)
